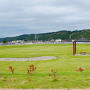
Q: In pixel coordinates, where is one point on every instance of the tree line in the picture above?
(64, 35)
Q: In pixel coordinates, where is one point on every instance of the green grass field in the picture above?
(65, 65)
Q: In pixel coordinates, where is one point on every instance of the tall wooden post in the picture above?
(74, 48)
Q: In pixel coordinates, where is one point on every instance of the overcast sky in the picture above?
(19, 17)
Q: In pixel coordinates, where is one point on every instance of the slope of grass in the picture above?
(65, 65)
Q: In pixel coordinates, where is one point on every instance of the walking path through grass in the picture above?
(29, 59)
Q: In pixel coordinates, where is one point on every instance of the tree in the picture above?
(4, 41)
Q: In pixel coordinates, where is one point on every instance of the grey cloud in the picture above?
(37, 16)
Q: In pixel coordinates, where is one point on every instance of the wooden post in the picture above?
(74, 48)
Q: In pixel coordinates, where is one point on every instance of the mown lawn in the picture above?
(65, 66)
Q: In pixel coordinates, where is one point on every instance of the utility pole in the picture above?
(35, 37)
(70, 37)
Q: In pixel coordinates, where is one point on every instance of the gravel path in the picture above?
(29, 59)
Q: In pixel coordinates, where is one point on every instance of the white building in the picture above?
(58, 40)
(18, 41)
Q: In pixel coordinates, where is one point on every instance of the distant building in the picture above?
(52, 40)
(18, 41)
(73, 40)
(58, 40)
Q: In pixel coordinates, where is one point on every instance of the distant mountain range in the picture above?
(64, 35)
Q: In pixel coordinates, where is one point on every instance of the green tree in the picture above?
(4, 41)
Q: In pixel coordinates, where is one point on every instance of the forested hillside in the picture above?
(64, 35)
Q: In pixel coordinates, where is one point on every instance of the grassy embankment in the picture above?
(66, 65)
